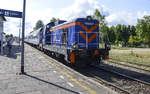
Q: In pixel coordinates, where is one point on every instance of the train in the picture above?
(76, 41)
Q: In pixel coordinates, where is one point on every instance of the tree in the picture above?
(39, 24)
(101, 18)
(124, 34)
(121, 34)
(131, 40)
(143, 29)
(132, 30)
(54, 19)
(111, 34)
(103, 28)
(118, 33)
(11, 35)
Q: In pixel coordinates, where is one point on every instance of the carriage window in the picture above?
(65, 36)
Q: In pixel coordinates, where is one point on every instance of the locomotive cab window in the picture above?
(65, 36)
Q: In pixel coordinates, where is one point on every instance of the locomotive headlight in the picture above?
(75, 45)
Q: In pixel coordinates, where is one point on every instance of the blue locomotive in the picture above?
(77, 41)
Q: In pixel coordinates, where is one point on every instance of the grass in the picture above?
(114, 47)
(139, 56)
(119, 48)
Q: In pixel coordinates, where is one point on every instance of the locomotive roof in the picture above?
(34, 32)
(76, 20)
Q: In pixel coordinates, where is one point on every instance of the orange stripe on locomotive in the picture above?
(88, 33)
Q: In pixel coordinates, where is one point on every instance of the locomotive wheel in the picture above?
(61, 57)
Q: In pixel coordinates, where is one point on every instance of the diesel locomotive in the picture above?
(77, 41)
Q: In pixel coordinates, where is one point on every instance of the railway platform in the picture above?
(42, 76)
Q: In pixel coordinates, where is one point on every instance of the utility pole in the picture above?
(23, 29)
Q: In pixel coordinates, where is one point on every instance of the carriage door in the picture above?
(65, 36)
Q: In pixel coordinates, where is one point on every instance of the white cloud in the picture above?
(11, 26)
(122, 17)
(141, 14)
(82, 8)
(32, 16)
(12, 4)
(125, 17)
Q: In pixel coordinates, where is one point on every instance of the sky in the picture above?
(116, 11)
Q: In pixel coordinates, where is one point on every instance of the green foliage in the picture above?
(143, 29)
(104, 29)
(8, 36)
(102, 25)
(132, 30)
(112, 35)
(101, 18)
(11, 35)
(124, 34)
(118, 33)
(131, 40)
(54, 19)
(118, 48)
(39, 24)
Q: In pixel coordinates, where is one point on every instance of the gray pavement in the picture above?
(41, 77)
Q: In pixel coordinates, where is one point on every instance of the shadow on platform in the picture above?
(50, 83)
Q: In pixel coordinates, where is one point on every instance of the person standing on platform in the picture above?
(9, 45)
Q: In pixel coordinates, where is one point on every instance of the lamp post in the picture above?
(23, 29)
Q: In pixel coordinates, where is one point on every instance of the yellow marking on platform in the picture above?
(91, 91)
(78, 83)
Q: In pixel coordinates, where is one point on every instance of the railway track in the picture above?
(110, 85)
(125, 84)
(132, 63)
(129, 66)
